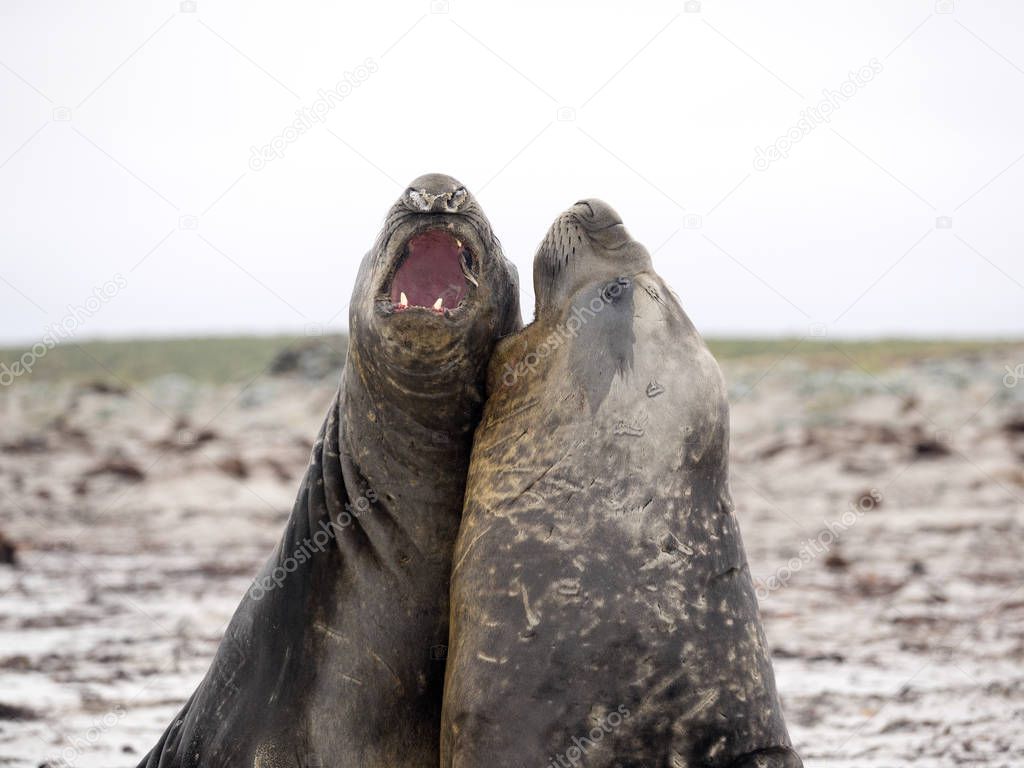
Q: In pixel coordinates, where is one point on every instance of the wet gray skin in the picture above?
(602, 610)
(336, 655)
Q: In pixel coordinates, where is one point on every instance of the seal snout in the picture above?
(433, 254)
(603, 227)
(595, 214)
(436, 193)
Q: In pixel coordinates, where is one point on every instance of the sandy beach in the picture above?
(880, 502)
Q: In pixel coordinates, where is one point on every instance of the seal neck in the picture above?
(427, 403)
(420, 424)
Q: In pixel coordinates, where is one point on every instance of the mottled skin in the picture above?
(599, 566)
(342, 664)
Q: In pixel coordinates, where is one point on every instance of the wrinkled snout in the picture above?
(603, 226)
(595, 214)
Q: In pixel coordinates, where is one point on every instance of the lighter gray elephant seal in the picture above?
(335, 658)
(602, 609)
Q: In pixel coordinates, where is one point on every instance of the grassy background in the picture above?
(215, 359)
(224, 359)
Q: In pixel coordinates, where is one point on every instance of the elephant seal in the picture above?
(602, 608)
(335, 657)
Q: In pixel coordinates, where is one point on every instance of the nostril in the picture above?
(414, 198)
(419, 199)
(423, 201)
(585, 204)
(457, 199)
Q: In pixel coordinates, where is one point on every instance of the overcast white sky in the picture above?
(128, 127)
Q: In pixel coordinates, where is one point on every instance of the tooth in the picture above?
(466, 272)
(439, 303)
(403, 300)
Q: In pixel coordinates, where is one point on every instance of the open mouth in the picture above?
(435, 273)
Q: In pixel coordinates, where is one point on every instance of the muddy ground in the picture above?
(882, 512)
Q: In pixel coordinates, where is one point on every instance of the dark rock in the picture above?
(101, 387)
(8, 551)
(122, 468)
(838, 658)
(1015, 426)
(14, 712)
(184, 437)
(868, 500)
(27, 444)
(926, 446)
(836, 562)
(930, 448)
(312, 359)
(234, 467)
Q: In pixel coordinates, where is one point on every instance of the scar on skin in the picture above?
(532, 619)
(469, 548)
(328, 631)
(709, 697)
(379, 660)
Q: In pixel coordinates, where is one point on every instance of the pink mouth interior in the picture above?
(432, 270)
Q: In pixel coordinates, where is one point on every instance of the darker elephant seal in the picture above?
(602, 610)
(335, 656)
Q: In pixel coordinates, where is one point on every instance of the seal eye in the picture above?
(611, 292)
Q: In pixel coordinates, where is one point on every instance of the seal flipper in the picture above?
(256, 680)
(169, 742)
